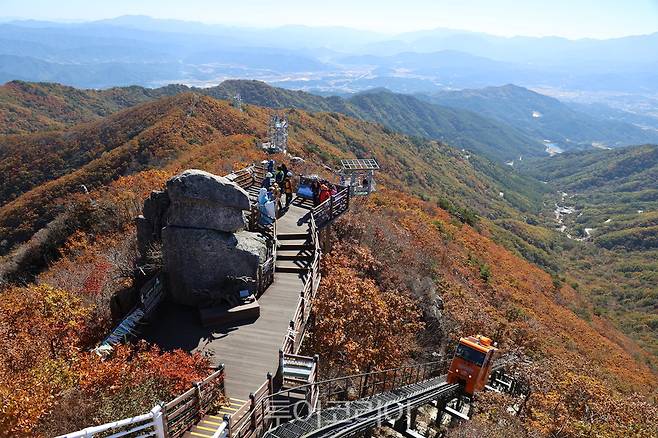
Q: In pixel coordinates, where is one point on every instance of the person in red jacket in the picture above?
(325, 193)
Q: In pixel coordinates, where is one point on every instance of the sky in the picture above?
(566, 18)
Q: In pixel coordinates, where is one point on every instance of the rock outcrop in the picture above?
(202, 264)
(150, 223)
(202, 200)
(208, 256)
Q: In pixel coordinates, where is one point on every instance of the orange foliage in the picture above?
(44, 368)
(488, 290)
(359, 327)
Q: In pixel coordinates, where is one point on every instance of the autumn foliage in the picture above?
(582, 382)
(358, 326)
(50, 384)
(408, 278)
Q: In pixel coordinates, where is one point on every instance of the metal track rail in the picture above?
(355, 417)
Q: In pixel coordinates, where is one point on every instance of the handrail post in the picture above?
(158, 421)
(163, 411)
(294, 337)
(279, 371)
(197, 391)
(229, 432)
(252, 410)
(331, 207)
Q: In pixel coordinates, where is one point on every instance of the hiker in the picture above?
(279, 176)
(333, 189)
(270, 166)
(325, 193)
(265, 207)
(276, 194)
(288, 188)
(267, 181)
(315, 186)
(262, 196)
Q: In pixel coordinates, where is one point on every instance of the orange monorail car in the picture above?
(472, 363)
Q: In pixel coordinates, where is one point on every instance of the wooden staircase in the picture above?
(294, 253)
(210, 424)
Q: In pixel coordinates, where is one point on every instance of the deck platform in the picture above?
(249, 350)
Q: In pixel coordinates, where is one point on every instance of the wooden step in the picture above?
(296, 252)
(292, 264)
(295, 246)
(292, 257)
(209, 424)
(293, 236)
(290, 269)
(300, 373)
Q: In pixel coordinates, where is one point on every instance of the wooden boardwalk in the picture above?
(248, 351)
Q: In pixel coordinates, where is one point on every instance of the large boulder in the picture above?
(202, 200)
(150, 223)
(198, 262)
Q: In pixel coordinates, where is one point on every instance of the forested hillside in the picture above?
(545, 118)
(29, 107)
(68, 250)
(25, 109)
(39, 169)
(614, 196)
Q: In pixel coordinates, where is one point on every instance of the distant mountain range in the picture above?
(138, 50)
(546, 118)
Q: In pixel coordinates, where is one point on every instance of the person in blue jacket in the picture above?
(267, 181)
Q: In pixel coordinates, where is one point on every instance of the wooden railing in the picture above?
(332, 208)
(145, 425)
(185, 410)
(254, 416)
(293, 339)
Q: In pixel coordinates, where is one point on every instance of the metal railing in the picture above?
(150, 297)
(267, 407)
(146, 425)
(353, 387)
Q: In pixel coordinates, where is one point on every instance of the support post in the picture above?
(440, 407)
(158, 421)
(252, 410)
(197, 392)
(331, 207)
(163, 412)
(227, 418)
(278, 377)
(413, 414)
(401, 424)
